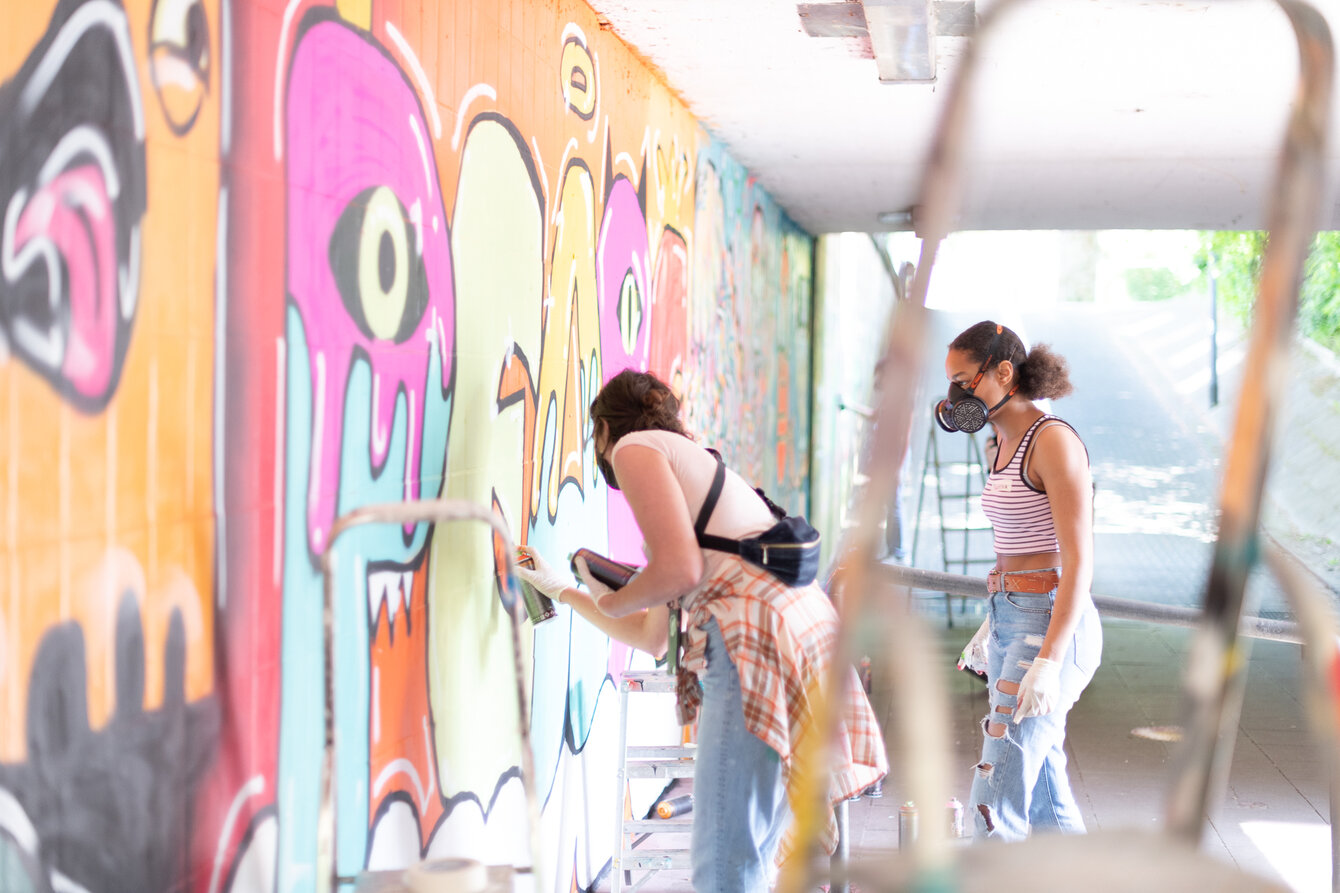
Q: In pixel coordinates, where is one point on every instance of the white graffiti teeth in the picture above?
(388, 592)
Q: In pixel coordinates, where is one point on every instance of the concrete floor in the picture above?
(1271, 823)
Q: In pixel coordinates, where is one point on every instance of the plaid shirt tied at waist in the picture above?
(781, 640)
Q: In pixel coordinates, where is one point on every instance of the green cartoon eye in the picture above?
(378, 266)
(630, 312)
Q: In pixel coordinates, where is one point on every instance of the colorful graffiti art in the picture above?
(749, 328)
(109, 718)
(73, 188)
(265, 263)
(370, 332)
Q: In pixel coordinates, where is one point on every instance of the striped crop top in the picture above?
(1020, 514)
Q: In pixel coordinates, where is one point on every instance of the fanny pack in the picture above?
(789, 549)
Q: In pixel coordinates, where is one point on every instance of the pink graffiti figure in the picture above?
(369, 258)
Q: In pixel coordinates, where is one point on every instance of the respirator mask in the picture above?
(607, 470)
(606, 467)
(963, 410)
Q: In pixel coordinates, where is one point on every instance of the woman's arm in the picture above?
(1062, 467)
(674, 559)
(647, 630)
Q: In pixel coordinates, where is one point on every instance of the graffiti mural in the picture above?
(498, 236)
(370, 333)
(262, 265)
(752, 282)
(128, 784)
(73, 193)
(109, 711)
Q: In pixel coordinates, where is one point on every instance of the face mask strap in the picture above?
(1003, 400)
(991, 349)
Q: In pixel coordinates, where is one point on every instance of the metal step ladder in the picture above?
(670, 762)
(956, 484)
(642, 762)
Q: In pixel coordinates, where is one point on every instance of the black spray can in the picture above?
(539, 607)
(614, 574)
(675, 806)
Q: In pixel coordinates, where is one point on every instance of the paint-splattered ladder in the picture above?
(646, 761)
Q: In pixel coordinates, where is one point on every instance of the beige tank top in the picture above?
(739, 512)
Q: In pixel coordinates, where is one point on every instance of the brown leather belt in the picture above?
(1037, 582)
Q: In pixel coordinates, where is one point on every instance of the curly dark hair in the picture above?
(1041, 372)
(637, 401)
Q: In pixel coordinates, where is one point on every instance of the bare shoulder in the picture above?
(655, 441)
(1058, 452)
(639, 455)
(1056, 434)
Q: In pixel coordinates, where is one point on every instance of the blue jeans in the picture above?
(739, 795)
(1021, 780)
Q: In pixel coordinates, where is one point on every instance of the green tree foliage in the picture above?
(1153, 284)
(1237, 258)
(1319, 303)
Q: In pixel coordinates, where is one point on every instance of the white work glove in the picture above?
(1039, 690)
(540, 575)
(597, 589)
(974, 656)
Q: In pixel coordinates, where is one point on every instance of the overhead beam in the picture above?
(902, 34)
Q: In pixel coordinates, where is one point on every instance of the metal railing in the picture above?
(889, 575)
(416, 512)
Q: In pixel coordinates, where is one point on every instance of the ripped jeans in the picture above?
(1021, 781)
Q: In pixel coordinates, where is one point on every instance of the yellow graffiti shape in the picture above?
(570, 357)
(356, 12)
(577, 71)
(673, 186)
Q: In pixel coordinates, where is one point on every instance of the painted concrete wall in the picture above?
(262, 262)
(854, 300)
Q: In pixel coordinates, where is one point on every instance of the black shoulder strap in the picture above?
(707, 541)
(713, 494)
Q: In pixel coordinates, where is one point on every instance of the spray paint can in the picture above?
(539, 607)
(955, 818)
(614, 574)
(672, 640)
(907, 824)
(675, 806)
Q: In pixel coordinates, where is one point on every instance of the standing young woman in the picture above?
(758, 647)
(1043, 636)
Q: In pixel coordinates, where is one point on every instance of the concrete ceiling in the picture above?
(1088, 114)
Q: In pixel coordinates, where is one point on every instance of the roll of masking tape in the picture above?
(447, 876)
